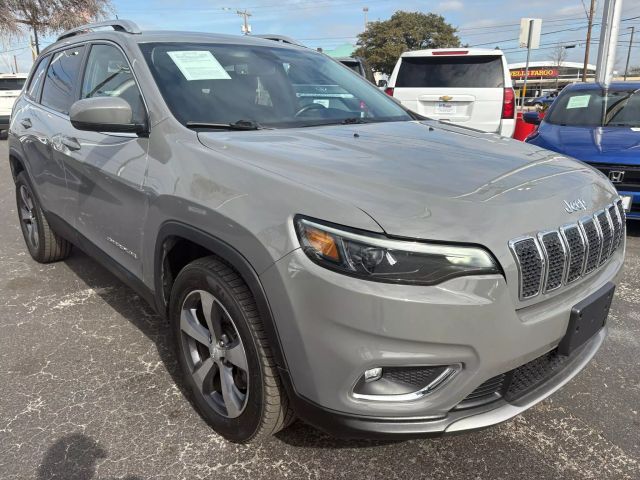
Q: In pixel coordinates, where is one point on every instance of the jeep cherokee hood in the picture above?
(427, 180)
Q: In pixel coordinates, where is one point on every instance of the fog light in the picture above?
(372, 374)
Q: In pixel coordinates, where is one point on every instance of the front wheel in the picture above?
(224, 356)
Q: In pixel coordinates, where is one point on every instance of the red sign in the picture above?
(535, 73)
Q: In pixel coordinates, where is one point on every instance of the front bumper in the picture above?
(357, 426)
(334, 327)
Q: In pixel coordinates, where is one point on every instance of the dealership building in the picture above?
(545, 76)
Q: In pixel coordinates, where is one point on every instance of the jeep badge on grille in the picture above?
(575, 205)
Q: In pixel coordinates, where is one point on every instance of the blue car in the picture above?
(601, 128)
(543, 100)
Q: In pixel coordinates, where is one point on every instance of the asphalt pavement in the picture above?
(88, 391)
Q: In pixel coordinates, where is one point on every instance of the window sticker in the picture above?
(198, 65)
(579, 101)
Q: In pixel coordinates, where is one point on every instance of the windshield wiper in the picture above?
(354, 120)
(239, 125)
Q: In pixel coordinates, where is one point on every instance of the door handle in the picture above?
(70, 142)
(26, 123)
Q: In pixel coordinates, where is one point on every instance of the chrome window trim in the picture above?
(545, 254)
(512, 247)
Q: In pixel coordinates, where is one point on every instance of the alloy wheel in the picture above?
(28, 217)
(214, 353)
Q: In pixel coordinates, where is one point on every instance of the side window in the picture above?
(108, 75)
(62, 76)
(37, 79)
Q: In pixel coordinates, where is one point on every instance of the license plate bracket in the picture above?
(587, 318)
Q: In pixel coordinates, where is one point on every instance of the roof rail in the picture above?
(126, 26)
(279, 38)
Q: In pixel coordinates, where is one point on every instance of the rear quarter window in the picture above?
(36, 79)
(484, 71)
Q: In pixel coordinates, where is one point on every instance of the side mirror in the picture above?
(382, 83)
(104, 114)
(531, 117)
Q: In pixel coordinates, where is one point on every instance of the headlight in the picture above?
(376, 257)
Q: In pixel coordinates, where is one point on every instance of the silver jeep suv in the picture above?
(320, 251)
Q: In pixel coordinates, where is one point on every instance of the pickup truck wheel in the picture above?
(223, 353)
(44, 245)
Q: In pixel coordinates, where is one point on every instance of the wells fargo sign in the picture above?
(535, 73)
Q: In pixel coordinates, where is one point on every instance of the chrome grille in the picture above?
(555, 254)
(594, 244)
(577, 249)
(531, 264)
(560, 257)
(607, 235)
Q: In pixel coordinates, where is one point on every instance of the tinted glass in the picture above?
(355, 66)
(62, 76)
(462, 71)
(592, 108)
(108, 75)
(274, 86)
(11, 83)
(37, 78)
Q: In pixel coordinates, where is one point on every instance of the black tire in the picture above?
(265, 408)
(44, 245)
(4, 134)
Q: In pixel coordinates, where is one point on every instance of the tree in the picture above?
(558, 56)
(384, 41)
(49, 16)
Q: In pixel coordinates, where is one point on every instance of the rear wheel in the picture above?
(43, 243)
(223, 352)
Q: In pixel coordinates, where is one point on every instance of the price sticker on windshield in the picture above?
(579, 101)
(198, 65)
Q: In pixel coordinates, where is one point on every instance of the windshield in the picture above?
(463, 71)
(594, 108)
(267, 86)
(11, 83)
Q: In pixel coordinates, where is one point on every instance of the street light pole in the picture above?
(365, 10)
(526, 68)
(626, 68)
(592, 10)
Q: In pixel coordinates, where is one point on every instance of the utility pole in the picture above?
(33, 47)
(15, 62)
(592, 10)
(608, 41)
(245, 14)
(365, 10)
(626, 68)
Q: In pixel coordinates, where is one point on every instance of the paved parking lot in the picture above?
(87, 391)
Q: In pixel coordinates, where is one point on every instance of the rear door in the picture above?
(464, 89)
(105, 171)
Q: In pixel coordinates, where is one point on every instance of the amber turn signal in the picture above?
(323, 243)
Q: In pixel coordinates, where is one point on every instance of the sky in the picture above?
(330, 23)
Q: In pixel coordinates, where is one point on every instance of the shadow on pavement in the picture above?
(73, 457)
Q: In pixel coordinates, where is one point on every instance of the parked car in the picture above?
(600, 127)
(546, 99)
(10, 86)
(371, 272)
(358, 65)
(467, 87)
